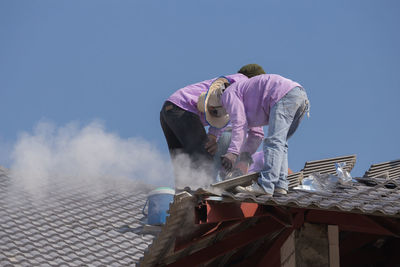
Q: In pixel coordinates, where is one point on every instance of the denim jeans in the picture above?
(284, 118)
(223, 144)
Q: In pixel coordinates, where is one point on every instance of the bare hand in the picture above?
(211, 145)
(228, 160)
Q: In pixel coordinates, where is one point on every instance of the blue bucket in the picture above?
(158, 201)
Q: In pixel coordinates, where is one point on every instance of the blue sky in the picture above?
(118, 60)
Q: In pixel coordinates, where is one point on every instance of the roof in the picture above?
(101, 223)
(72, 225)
(381, 199)
(373, 195)
(182, 240)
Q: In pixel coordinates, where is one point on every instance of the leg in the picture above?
(172, 141)
(223, 143)
(174, 145)
(275, 145)
(283, 183)
(189, 133)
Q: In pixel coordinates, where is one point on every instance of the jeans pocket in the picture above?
(291, 103)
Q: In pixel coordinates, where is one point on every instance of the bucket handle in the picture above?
(144, 207)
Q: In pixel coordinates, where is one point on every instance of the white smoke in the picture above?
(186, 176)
(85, 154)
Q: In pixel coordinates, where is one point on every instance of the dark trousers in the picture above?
(185, 133)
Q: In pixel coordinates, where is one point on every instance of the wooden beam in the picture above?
(298, 220)
(348, 222)
(333, 239)
(203, 231)
(391, 224)
(258, 254)
(288, 254)
(222, 229)
(229, 243)
(275, 249)
(272, 246)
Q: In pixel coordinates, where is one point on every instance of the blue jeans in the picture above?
(284, 118)
(223, 144)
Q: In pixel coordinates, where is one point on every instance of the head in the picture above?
(214, 106)
(251, 70)
(210, 103)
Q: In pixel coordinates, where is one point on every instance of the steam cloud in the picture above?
(87, 154)
(187, 176)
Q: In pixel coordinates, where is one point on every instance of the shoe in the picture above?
(280, 191)
(254, 188)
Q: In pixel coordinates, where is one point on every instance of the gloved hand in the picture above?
(228, 160)
(211, 145)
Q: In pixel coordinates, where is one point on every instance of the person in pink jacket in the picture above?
(183, 124)
(266, 99)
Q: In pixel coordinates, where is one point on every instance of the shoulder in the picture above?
(237, 77)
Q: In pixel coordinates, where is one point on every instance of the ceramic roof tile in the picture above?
(367, 199)
(71, 225)
(371, 195)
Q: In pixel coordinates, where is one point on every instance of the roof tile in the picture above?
(70, 225)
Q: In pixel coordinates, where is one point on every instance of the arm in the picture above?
(253, 141)
(235, 108)
(255, 136)
(213, 135)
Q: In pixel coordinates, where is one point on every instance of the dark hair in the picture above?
(251, 70)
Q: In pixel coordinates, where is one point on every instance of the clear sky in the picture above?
(118, 60)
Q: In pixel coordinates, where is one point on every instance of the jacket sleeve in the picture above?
(255, 136)
(235, 108)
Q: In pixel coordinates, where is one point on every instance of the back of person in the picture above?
(259, 94)
(187, 97)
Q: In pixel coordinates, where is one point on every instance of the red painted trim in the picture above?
(222, 211)
(298, 220)
(283, 216)
(389, 223)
